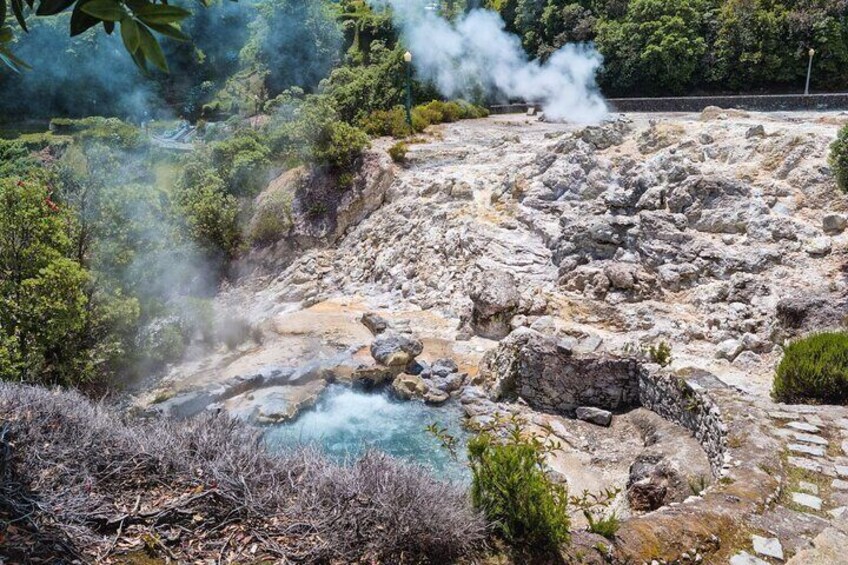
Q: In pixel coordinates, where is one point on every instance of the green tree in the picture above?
(43, 301)
(657, 48)
(751, 47)
(210, 213)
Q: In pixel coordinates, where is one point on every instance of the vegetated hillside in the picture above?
(661, 47)
(242, 55)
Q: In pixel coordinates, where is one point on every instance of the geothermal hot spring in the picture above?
(346, 422)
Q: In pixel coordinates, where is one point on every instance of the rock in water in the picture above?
(395, 350)
(594, 416)
(408, 387)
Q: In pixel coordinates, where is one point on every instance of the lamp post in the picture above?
(809, 72)
(407, 57)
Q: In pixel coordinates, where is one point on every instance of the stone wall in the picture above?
(550, 378)
(765, 103)
(687, 405)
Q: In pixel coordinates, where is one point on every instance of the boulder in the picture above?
(495, 299)
(435, 396)
(395, 350)
(595, 416)
(755, 131)
(804, 314)
(653, 483)
(444, 367)
(834, 223)
(408, 387)
(373, 376)
(729, 349)
(375, 323)
(818, 246)
(621, 276)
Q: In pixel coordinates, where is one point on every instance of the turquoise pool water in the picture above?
(347, 422)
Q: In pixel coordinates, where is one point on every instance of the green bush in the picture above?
(387, 123)
(510, 486)
(838, 158)
(339, 145)
(813, 370)
(243, 162)
(398, 152)
(307, 129)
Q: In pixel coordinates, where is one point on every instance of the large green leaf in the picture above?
(170, 30)
(80, 21)
(130, 35)
(161, 14)
(104, 10)
(151, 49)
(52, 7)
(6, 34)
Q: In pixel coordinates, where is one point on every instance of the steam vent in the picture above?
(423, 282)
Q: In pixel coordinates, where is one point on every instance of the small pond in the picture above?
(346, 422)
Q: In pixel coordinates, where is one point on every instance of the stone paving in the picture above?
(808, 524)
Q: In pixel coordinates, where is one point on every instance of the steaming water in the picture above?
(346, 422)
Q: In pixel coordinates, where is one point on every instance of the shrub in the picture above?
(398, 152)
(339, 145)
(838, 158)
(387, 123)
(243, 162)
(510, 486)
(814, 369)
(660, 354)
(82, 462)
(308, 130)
(606, 526)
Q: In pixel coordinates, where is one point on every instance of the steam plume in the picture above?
(476, 55)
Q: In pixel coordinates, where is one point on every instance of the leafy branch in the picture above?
(138, 20)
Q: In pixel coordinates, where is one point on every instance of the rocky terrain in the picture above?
(720, 233)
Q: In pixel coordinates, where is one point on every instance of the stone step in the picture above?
(806, 449)
(808, 487)
(803, 427)
(745, 558)
(839, 484)
(806, 464)
(768, 547)
(807, 500)
(809, 438)
(842, 471)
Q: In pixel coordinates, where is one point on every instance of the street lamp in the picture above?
(809, 72)
(407, 57)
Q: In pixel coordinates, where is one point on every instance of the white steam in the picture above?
(476, 55)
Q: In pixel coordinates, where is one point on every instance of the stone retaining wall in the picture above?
(764, 103)
(550, 378)
(686, 405)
